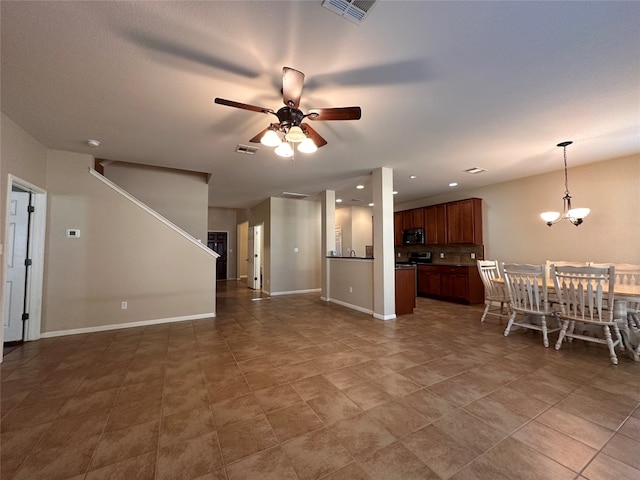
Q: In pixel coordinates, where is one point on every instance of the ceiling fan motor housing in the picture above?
(289, 117)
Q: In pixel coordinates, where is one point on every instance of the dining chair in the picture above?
(560, 263)
(627, 274)
(529, 298)
(586, 297)
(494, 293)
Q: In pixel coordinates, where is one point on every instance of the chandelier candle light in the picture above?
(574, 215)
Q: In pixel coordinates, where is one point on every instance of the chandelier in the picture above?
(574, 215)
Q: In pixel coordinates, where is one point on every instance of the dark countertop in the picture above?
(400, 266)
(351, 258)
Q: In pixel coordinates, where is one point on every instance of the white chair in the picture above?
(529, 295)
(585, 294)
(560, 263)
(627, 274)
(493, 293)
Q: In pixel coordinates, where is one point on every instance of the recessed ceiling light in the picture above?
(413, 177)
(371, 204)
(359, 187)
(475, 170)
(453, 184)
(93, 143)
(395, 193)
(338, 200)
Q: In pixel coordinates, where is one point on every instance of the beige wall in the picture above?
(123, 254)
(514, 232)
(351, 283)
(356, 224)
(294, 224)
(224, 220)
(178, 195)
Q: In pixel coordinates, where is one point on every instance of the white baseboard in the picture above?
(118, 326)
(384, 317)
(351, 306)
(296, 292)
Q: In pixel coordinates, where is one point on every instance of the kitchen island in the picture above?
(405, 289)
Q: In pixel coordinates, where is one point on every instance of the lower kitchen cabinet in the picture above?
(454, 283)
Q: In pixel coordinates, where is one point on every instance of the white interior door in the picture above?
(254, 280)
(16, 270)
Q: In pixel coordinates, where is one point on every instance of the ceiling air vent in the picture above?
(352, 10)
(246, 149)
(295, 196)
(475, 170)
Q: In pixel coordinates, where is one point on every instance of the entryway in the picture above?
(23, 262)
(217, 241)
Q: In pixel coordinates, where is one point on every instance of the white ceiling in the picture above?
(443, 86)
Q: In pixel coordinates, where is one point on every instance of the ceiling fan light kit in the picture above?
(574, 215)
(290, 118)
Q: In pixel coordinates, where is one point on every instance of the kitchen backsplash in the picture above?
(444, 254)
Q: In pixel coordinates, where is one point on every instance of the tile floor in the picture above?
(293, 388)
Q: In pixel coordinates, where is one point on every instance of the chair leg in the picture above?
(563, 332)
(618, 336)
(543, 323)
(486, 310)
(607, 336)
(510, 324)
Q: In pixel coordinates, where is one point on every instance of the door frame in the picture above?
(36, 249)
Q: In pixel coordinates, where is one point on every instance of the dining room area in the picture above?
(597, 303)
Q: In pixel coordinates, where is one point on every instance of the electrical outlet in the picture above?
(350, 289)
(123, 305)
(473, 256)
(399, 254)
(442, 255)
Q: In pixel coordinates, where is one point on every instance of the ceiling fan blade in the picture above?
(292, 82)
(338, 113)
(259, 136)
(313, 135)
(244, 106)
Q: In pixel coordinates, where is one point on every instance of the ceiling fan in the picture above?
(290, 118)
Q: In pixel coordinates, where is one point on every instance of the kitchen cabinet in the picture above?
(413, 218)
(455, 283)
(464, 222)
(435, 224)
(428, 281)
(397, 228)
(453, 223)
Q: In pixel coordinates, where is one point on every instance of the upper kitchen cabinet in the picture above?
(397, 228)
(413, 218)
(464, 222)
(435, 224)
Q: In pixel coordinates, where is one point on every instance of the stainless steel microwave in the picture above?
(413, 236)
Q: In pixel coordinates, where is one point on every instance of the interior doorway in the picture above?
(218, 242)
(254, 258)
(25, 220)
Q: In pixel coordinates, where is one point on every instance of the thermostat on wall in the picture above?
(73, 233)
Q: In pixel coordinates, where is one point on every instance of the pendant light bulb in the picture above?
(270, 139)
(284, 150)
(307, 146)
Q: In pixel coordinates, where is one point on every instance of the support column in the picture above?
(328, 219)
(384, 287)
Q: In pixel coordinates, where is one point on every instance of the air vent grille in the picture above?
(246, 149)
(475, 170)
(353, 10)
(295, 196)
